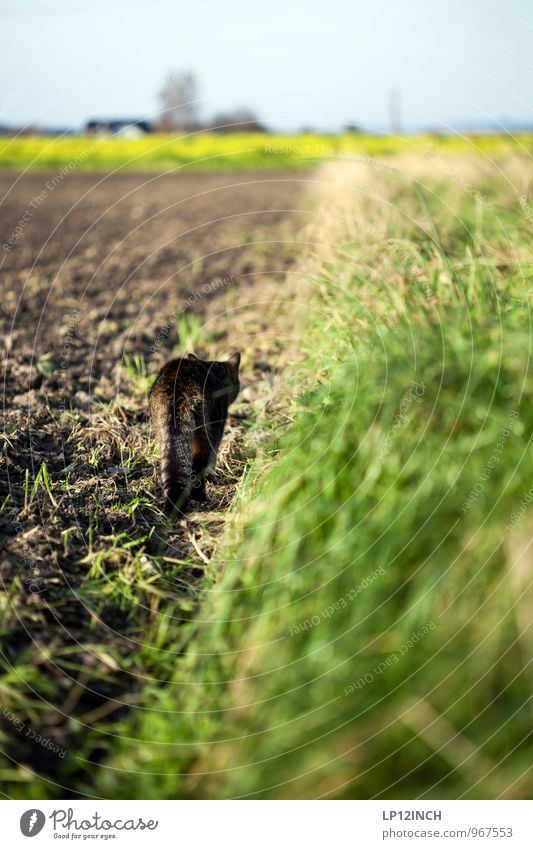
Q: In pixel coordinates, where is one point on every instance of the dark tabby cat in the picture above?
(189, 405)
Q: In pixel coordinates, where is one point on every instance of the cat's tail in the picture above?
(176, 464)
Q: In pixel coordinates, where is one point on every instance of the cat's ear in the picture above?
(235, 361)
(192, 357)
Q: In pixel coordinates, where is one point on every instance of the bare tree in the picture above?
(178, 98)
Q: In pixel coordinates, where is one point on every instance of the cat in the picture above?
(189, 406)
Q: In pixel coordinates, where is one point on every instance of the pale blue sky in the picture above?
(313, 62)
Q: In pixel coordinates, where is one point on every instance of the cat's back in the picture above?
(180, 382)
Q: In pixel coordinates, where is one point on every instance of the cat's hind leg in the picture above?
(200, 463)
(176, 467)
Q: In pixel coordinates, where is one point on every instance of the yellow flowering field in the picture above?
(239, 150)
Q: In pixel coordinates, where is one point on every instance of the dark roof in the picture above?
(114, 124)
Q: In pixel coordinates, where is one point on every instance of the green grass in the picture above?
(369, 636)
(365, 632)
(213, 151)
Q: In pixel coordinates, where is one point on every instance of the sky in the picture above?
(317, 63)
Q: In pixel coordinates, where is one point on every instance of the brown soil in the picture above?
(91, 287)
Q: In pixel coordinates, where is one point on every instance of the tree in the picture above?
(178, 98)
(240, 120)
